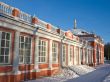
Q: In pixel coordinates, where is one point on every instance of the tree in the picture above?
(107, 51)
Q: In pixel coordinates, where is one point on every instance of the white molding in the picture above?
(16, 52)
(50, 54)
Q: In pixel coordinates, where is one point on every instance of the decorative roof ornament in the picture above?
(75, 24)
(34, 15)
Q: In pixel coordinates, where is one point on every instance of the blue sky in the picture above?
(91, 15)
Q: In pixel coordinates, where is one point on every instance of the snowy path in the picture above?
(96, 76)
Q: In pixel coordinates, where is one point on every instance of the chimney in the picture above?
(15, 12)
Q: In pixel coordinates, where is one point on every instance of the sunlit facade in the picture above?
(31, 48)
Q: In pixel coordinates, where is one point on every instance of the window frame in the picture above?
(10, 46)
(54, 44)
(40, 51)
(64, 50)
(24, 50)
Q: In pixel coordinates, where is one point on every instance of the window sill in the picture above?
(6, 65)
(26, 64)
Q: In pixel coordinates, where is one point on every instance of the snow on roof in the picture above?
(80, 32)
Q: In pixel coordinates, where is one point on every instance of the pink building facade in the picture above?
(31, 48)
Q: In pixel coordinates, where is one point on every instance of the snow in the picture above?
(79, 73)
(107, 79)
(67, 73)
(81, 69)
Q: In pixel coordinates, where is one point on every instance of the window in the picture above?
(64, 53)
(55, 52)
(71, 53)
(25, 49)
(5, 45)
(42, 51)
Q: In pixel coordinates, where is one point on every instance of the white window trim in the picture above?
(63, 52)
(10, 46)
(24, 48)
(55, 62)
(45, 49)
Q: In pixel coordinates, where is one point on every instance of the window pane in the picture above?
(21, 58)
(6, 51)
(39, 42)
(22, 45)
(28, 59)
(22, 39)
(44, 59)
(3, 35)
(6, 59)
(21, 52)
(39, 59)
(26, 40)
(29, 40)
(2, 43)
(1, 59)
(26, 46)
(28, 53)
(7, 43)
(8, 36)
(2, 51)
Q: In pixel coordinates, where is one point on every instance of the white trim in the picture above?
(10, 73)
(55, 62)
(36, 59)
(16, 52)
(46, 69)
(24, 55)
(64, 48)
(5, 45)
(50, 54)
(46, 50)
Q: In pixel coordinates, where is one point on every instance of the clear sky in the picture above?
(91, 15)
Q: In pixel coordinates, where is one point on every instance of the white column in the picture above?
(50, 54)
(36, 60)
(79, 56)
(69, 63)
(74, 55)
(16, 52)
(61, 53)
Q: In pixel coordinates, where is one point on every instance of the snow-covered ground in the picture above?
(81, 69)
(66, 74)
(107, 79)
(98, 75)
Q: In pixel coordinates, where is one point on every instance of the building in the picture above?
(95, 41)
(31, 48)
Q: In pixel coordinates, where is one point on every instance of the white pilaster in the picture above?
(74, 55)
(50, 54)
(69, 62)
(61, 53)
(16, 52)
(36, 60)
(79, 56)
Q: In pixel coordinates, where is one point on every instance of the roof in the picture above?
(80, 32)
